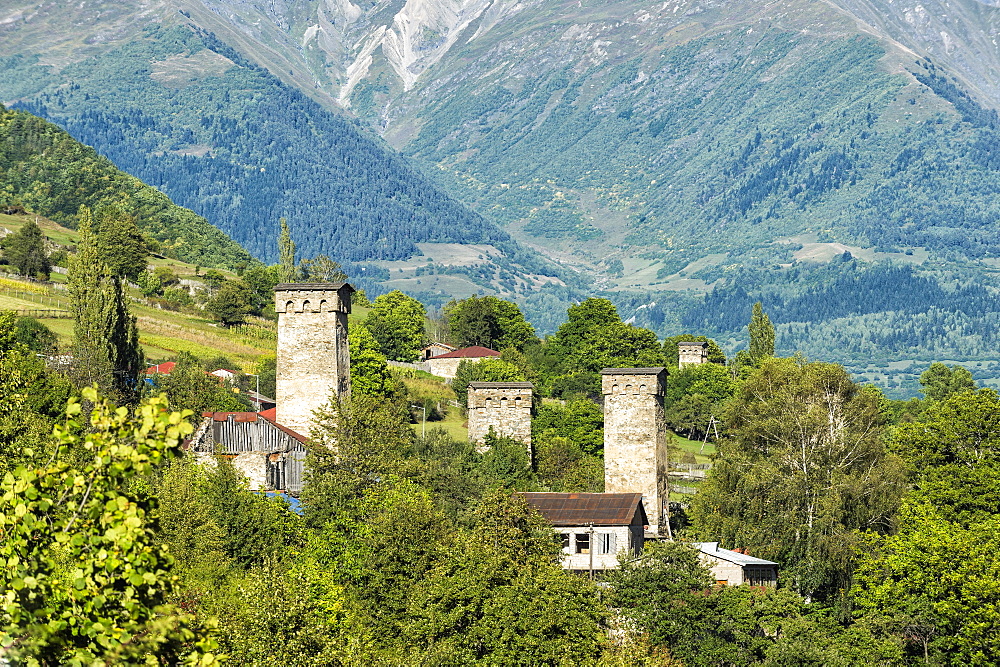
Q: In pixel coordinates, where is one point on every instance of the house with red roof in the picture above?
(446, 365)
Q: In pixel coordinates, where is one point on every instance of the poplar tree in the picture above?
(287, 270)
(761, 335)
(106, 341)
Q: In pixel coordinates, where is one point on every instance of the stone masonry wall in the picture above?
(635, 445)
(692, 354)
(313, 356)
(506, 406)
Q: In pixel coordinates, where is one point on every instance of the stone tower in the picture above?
(635, 439)
(506, 406)
(313, 357)
(692, 354)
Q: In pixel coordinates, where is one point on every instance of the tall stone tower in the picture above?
(692, 354)
(635, 439)
(313, 357)
(506, 406)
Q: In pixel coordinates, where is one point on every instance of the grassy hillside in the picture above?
(46, 171)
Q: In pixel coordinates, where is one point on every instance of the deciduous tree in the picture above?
(397, 323)
(25, 250)
(804, 467)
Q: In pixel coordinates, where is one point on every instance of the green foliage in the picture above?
(120, 244)
(939, 381)
(321, 269)
(369, 371)
(53, 175)
(506, 463)
(25, 250)
(489, 322)
(761, 335)
(85, 582)
(397, 323)
(34, 335)
(353, 444)
(563, 465)
(696, 394)
(231, 303)
(498, 597)
(593, 337)
(935, 586)
(579, 420)
(953, 448)
(287, 271)
(803, 438)
(105, 338)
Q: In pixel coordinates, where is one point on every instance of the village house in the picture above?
(434, 349)
(593, 528)
(446, 365)
(732, 568)
(269, 455)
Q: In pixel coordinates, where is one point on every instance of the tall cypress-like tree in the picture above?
(106, 341)
(287, 270)
(761, 335)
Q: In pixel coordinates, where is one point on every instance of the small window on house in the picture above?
(324, 306)
(605, 544)
(289, 306)
(582, 543)
(563, 539)
(759, 576)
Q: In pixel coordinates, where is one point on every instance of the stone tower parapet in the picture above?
(636, 458)
(692, 354)
(506, 406)
(313, 356)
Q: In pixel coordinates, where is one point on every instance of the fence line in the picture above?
(41, 313)
(417, 367)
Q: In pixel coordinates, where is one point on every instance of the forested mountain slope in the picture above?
(45, 170)
(671, 150)
(187, 113)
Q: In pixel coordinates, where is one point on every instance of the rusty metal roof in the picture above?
(474, 352)
(581, 509)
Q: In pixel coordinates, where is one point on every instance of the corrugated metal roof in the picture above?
(501, 385)
(474, 352)
(581, 509)
(251, 417)
(713, 549)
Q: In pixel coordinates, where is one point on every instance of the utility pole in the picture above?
(591, 550)
(423, 426)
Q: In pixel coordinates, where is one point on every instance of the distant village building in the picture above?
(692, 354)
(593, 528)
(503, 406)
(434, 349)
(732, 568)
(446, 365)
(224, 374)
(270, 455)
(313, 360)
(161, 369)
(635, 445)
